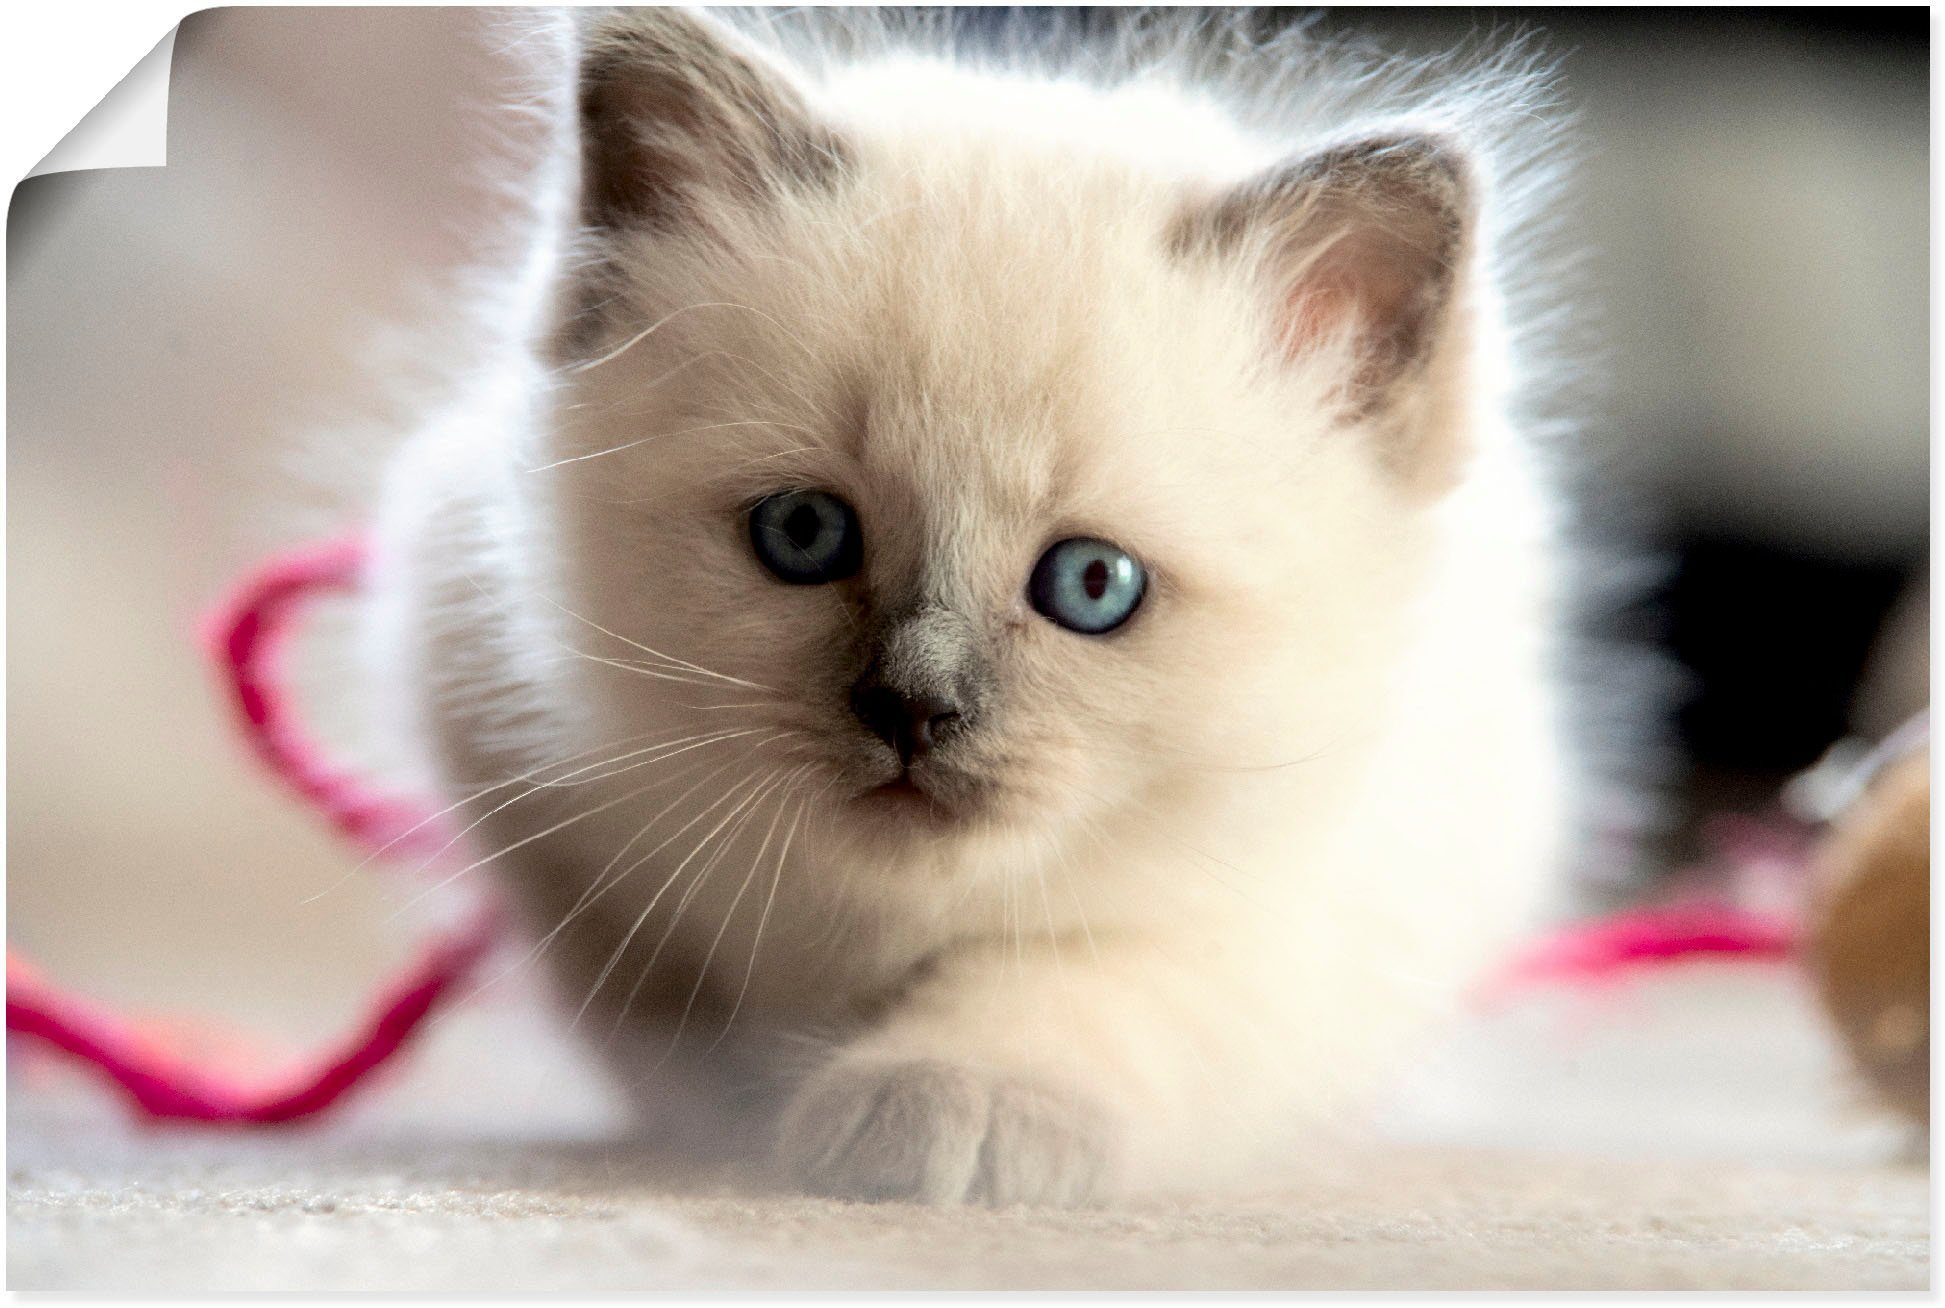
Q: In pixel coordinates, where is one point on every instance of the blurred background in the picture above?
(203, 364)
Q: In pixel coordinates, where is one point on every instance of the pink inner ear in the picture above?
(1315, 312)
(1373, 283)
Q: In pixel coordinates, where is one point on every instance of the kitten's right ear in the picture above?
(1365, 243)
(678, 113)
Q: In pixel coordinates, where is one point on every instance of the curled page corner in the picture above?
(128, 128)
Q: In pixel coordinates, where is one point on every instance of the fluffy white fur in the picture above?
(1187, 888)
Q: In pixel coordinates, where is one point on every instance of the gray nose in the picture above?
(910, 724)
(924, 681)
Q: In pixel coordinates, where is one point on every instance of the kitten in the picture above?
(995, 617)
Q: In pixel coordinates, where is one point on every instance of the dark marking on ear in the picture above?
(1373, 238)
(1370, 234)
(677, 113)
(679, 120)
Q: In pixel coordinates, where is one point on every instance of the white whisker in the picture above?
(686, 743)
(481, 793)
(657, 436)
(763, 919)
(588, 365)
(615, 957)
(656, 653)
(756, 863)
(600, 884)
(741, 814)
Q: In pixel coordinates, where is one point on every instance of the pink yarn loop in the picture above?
(245, 641)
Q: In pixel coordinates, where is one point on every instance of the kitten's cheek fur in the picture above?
(931, 1131)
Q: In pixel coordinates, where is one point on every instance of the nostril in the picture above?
(940, 724)
(880, 709)
(910, 724)
(929, 720)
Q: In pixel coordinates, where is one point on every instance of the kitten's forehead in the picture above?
(999, 333)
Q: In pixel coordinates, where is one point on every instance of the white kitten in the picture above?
(1021, 582)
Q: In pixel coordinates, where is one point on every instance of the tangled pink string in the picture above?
(245, 642)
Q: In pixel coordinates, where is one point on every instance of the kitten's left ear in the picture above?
(1365, 242)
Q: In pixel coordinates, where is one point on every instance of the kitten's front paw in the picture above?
(941, 1133)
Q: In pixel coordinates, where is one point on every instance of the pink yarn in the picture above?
(244, 642)
(1606, 947)
(246, 639)
(165, 1088)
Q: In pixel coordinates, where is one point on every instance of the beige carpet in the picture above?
(1688, 1133)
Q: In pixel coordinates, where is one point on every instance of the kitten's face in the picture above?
(948, 393)
(1071, 523)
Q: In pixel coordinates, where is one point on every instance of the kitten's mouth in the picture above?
(908, 797)
(903, 791)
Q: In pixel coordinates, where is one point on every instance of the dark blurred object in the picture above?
(1773, 645)
(1776, 641)
(1870, 949)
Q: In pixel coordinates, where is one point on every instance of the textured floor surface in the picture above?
(1685, 1133)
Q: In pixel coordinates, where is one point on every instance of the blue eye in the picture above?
(806, 537)
(1087, 585)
